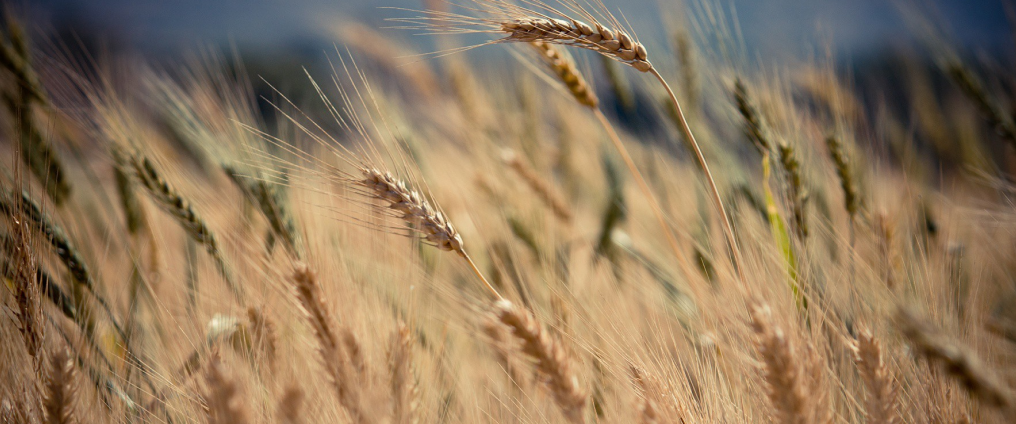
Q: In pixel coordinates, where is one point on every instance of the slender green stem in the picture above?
(727, 228)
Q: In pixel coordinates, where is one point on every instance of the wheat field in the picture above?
(564, 223)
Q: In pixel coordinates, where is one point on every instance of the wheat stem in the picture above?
(728, 229)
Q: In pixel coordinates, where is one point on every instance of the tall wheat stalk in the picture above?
(518, 23)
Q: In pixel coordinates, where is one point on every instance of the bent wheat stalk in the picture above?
(520, 24)
(620, 46)
(569, 74)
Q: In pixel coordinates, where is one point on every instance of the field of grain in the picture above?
(536, 230)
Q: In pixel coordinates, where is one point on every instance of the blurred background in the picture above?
(856, 28)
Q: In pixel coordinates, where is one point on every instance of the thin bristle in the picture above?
(551, 359)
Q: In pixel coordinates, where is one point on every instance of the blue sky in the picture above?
(768, 26)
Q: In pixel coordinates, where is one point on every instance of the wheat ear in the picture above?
(25, 273)
(341, 371)
(797, 193)
(783, 371)
(551, 359)
(957, 361)
(880, 407)
(224, 403)
(403, 383)
(845, 172)
(613, 43)
(419, 214)
(41, 158)
(62, 246)
(565, 70)
(172, 202)
(60, 389)
(263, 334)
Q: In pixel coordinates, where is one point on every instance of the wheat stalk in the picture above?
(551, 359)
